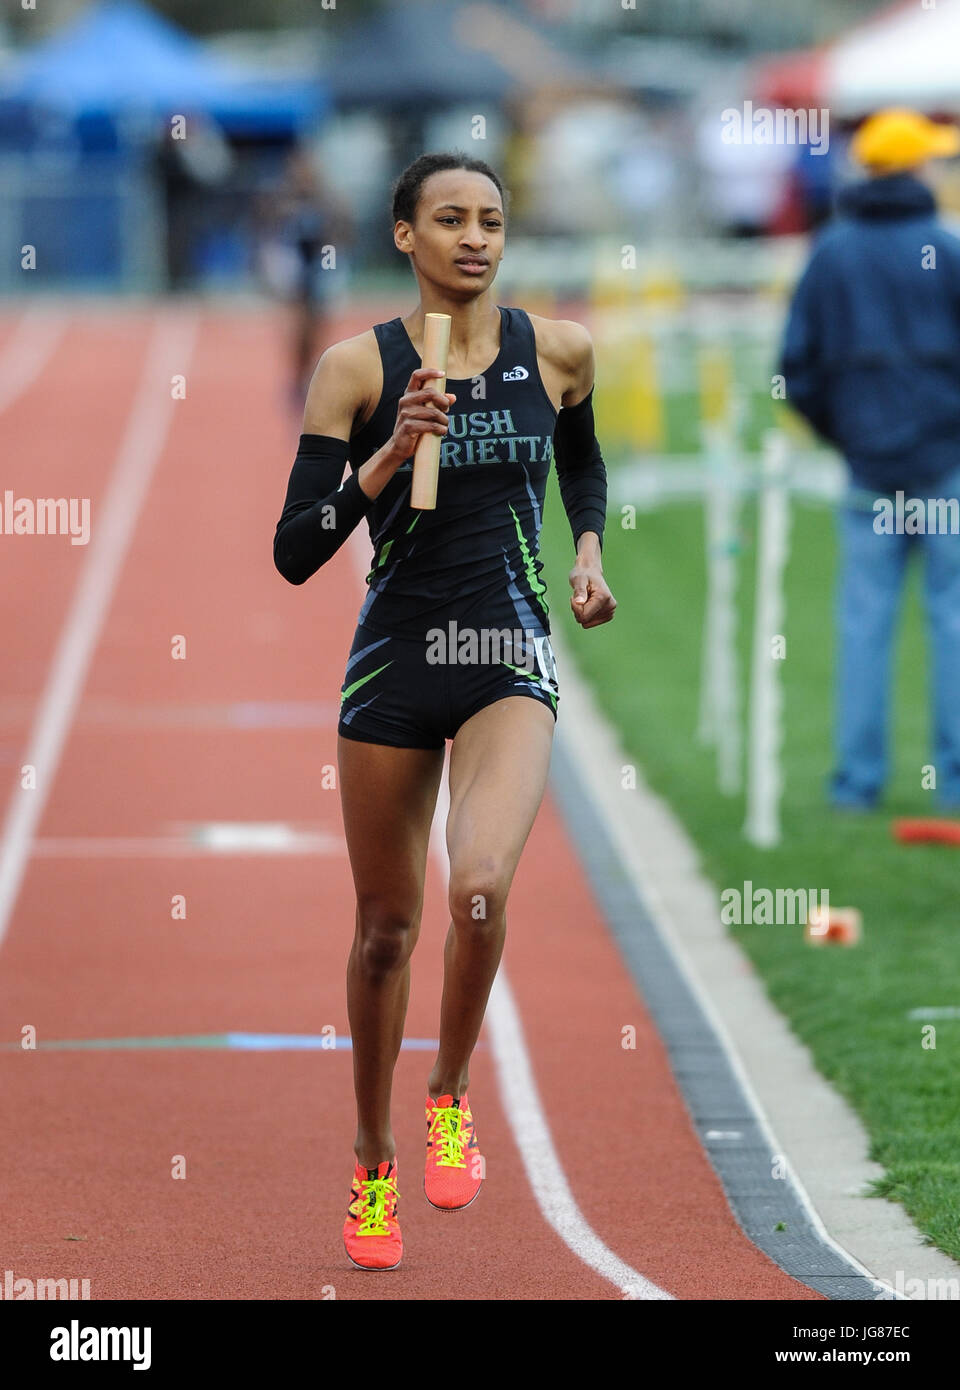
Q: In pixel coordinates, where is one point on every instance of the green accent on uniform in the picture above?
(381, 559)
(536, 584)
(362, 681)
(537, 680)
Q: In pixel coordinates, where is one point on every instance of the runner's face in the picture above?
(457, 237)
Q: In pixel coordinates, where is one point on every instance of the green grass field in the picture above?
(850, 1006)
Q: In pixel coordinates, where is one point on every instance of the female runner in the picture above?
(452, 642)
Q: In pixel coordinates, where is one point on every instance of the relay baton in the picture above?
(426, 458)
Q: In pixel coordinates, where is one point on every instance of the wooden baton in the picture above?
(426, 458)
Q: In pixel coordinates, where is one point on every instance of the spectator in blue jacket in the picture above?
(871, 357)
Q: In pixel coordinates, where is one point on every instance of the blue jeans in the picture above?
(871, 581)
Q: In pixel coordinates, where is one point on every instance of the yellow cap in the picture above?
(898, 138)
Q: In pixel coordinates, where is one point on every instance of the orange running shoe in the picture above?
(454, 1168)
(371, 1231)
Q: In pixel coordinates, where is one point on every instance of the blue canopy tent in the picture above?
(102, 91)
(120, 57)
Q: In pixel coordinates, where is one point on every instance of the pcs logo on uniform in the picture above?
(517, 374)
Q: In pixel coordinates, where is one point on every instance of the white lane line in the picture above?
(528, 1121)
(170, 349)
(518, 1089)
(29, 349)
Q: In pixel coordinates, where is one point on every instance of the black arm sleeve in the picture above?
(580, 469)
(319, 512)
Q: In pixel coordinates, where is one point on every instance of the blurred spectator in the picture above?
(571, 175)
(870, 357)
(646, 173)
(304, 228)
(815, 174)
(809, 195)
(195, 160)
(745, 181)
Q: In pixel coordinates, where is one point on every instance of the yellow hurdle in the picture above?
(715, 379)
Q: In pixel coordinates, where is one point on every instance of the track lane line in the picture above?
(519, 1095)
(29, 349)
(527, 1118)
(148, 425)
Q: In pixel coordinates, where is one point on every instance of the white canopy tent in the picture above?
(907, 55)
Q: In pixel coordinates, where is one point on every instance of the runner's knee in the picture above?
(386, 935)
(478, 895)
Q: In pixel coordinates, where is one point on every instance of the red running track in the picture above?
(240, 731)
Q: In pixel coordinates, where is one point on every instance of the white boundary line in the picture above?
(668, 851)
(521, 1099)
(30, 347)
(170, 348)
(654, 902)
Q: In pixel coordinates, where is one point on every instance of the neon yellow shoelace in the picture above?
(445, 1126)
(376, 1191)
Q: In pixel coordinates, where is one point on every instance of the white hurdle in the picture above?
(764, 735)
(719, 714)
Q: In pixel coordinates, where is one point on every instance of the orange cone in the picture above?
(843, 926)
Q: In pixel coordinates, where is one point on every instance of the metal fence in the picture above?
(96, 225)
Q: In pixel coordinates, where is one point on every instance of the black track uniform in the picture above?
(456, 613)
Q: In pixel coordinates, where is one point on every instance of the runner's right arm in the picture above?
(320, 511)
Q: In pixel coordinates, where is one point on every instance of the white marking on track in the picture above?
(28, 350)
(170, 349)
(220, 837)
(528, 1120)
(257, 837)
(518, 1089)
